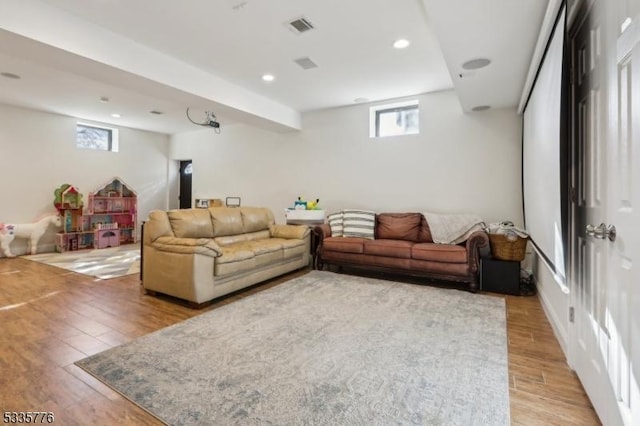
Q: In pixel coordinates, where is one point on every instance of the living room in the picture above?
(266, 153)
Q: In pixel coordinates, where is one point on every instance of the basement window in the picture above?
(99, 138)
(396, 119)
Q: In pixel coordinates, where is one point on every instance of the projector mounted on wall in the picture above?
(209, 121)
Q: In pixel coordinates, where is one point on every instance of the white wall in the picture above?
(458, 163)
(39, 154)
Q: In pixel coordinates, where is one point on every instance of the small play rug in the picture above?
(104, 263)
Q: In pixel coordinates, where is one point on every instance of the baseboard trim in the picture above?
(560, 332)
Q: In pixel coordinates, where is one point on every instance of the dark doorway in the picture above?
(186, 171)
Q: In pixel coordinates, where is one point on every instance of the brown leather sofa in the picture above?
(403, 245)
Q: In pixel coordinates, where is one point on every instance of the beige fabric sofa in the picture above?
(201, 254)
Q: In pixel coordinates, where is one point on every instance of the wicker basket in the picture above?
(503, 248)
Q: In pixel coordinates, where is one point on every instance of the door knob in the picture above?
(602, 231)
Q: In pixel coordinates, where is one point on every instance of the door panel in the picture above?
(624, 189)
(589, 254)
(605, 137)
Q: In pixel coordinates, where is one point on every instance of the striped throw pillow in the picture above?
(335, 222)
(358, 223)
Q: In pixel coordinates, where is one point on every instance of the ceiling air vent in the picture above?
(305, 63)
(300, 25)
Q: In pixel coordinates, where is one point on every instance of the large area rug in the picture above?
(323, 349)
(104, 263)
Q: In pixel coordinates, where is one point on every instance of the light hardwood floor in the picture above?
(50, 318)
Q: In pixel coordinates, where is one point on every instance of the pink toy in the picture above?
(32, 231)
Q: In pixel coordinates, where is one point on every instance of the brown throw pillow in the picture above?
(398, 226)
(425, 232)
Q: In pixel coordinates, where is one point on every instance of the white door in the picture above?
(606, 188)
(623, 211)
(588, 253)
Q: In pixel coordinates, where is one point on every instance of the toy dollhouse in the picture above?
(67, 197)
(112, 212)
(68, 201)
(110, 219)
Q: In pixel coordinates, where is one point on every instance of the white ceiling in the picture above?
(210, 54)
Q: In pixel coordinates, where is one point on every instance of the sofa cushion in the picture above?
(268, 245)
(267, 252)
(230, 239)
(398, 226)
(256, 218)
(259, 235)
(268, 258)
(157, 226)
(358, 223)
(335, 222)
(226, 221)
(289, 231)
(205, 246)
(424, 236)
(246, 255)
(190, 223)
(388, 248)
(292, 247)
(235, 253)
(447, 253)
(344, 244)
(233, 239)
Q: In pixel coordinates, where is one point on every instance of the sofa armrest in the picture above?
(205, 246)
(289, 231)
(477, 244)
(322, 231)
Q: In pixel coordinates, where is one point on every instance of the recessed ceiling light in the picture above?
(115, 115)
(480, 108)
(268, 77)
(401, 44)
(360, 100)
(104, 99)
(10, 75)
(475, 64)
